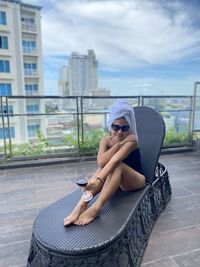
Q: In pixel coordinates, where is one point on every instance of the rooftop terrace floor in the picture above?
(175, 239)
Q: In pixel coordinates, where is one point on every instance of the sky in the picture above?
(143, 47)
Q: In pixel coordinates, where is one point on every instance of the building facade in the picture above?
(80, 76)
(63, 83)
(82, 73)
(21, 71)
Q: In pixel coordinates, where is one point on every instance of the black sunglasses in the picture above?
(124, 128)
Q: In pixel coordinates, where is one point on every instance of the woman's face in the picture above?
(119, 135)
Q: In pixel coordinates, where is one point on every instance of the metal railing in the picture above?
(63, 126)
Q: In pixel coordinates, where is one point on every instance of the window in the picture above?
(7, 110)
(31, 89)
(3, 18)
(28, 46)
(6, 132)
(28, 23)
(33, 130)
(3, 42)
(4, 66)
(34, 108)
(5, 89)
(30, 68)
(28, 20)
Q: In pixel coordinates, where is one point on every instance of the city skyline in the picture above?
(143, 47)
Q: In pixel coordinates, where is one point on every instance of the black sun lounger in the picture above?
(118, 237)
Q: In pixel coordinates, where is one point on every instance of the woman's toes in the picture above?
(67, 221)
(76, 222)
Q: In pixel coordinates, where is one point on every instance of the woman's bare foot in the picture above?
(88, 215)
(80, 207)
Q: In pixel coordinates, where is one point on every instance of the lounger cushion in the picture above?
(49, 231)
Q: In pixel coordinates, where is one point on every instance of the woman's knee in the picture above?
(135, 182)
(118, 169)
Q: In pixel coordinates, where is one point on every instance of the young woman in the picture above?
(118, 162)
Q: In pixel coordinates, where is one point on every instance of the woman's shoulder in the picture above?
(105, 140)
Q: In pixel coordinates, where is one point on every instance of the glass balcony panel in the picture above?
(29, 27)
(99, 104)
(197, 109)
(29, 72)
(168, 103)
(29, 50)
(57, 127)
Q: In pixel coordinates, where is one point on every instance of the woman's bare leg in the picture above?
(123, 176)
(131, 179)
(80, 207)
(110, 186)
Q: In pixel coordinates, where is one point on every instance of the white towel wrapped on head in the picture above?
(122, 109)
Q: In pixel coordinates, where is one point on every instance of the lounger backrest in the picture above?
(151, 132)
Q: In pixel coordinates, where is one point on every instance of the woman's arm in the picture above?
(128, 145)
(106, 150)
(118, 157)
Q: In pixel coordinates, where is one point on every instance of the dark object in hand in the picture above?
(82, 182)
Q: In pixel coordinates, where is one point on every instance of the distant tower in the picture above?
(63, 83)
(82, 73)
(80, 78)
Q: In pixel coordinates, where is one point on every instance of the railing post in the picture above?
(191, 120)
(3, 129)
(141, 101)
(78, 124)
(8, 122)
(194, 105)
(82, 130)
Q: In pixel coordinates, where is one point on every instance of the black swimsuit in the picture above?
(134, 161)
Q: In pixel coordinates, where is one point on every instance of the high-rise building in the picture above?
(80, 74)
(21, 71)
(80, 78)
(63, 83)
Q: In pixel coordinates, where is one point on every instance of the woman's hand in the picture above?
(94, 184)
(129, 138)
(110, 141)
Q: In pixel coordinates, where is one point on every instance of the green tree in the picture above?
(173, 137)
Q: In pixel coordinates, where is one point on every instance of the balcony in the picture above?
(175, 240)
(29, 27)
(25, 190)
(30, 73)
(82, 121)
(29, 51)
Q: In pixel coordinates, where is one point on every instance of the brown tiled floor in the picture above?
(175, 239)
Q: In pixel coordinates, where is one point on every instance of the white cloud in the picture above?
(123, 33)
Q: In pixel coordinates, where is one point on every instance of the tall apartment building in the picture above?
(80, 76)
(63, 83)
(21, 70)
(82, 73)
